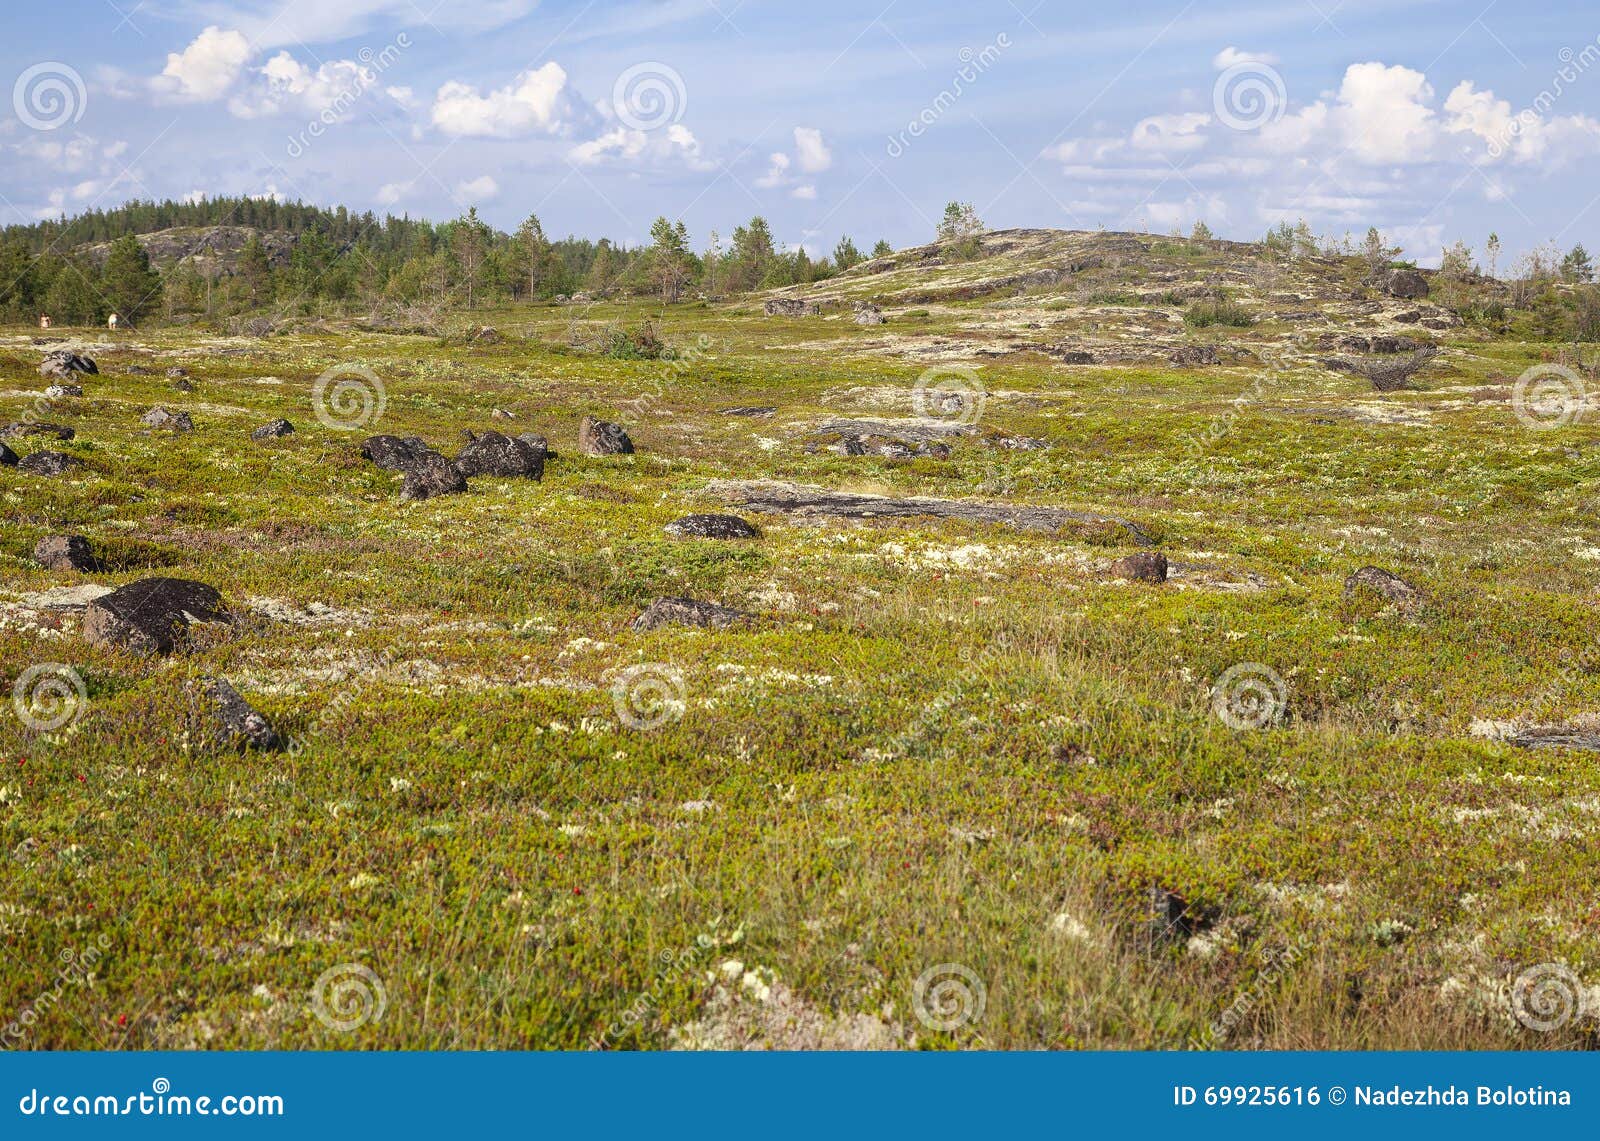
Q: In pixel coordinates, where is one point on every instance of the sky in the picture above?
(1435, 122)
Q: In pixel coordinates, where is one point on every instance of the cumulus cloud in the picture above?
(208, 67)
(674, 144)
(479, 189)
(1166, 134)
(777, 171)
(1231, 57)
(537, 101)
(810, 150)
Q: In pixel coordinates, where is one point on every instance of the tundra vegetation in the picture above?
(960, 699)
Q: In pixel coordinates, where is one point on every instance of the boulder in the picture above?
(484, 335)
(502, 414)
(868, 314)
(491, 453)
(228, 718)
(182, 386)
(57, 391)
(47, 463)
(687, 612)
(1385, 584)
(151, 616)
(391, 452)
(64, 362)
(160, 418)
(20, 428)
(1141, 566)
(1407, 284)
(747, 410)
(429, 475)
(272, 430)
(790, 307)
(1072, 356)
(176, 373)
(64, 553)
(712, 527)
(8, 458)
(603, 438)
(1191, 356)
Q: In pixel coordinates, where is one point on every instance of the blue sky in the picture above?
(1433, 121)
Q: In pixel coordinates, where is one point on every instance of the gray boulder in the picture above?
(64, 553)
(1403, 283)
(1141, 566)
(161, 419)
(688, 612)
(430, 475)
(47, 463)
(64, 362)
(21, 428)
(392, 453)
(603, 438)
(790, 307)
(58, 391)
(229, 719)
(712, 527)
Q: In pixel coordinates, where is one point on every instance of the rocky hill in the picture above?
(206, 248)
(1104, 298)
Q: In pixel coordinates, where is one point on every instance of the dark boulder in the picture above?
(64, 553)
(228, 718)
(8, 458)
(1192, 356)
(712, 527)
(430, 475)
(1141, 566)
(491, 453)
(182, 386)
(1407, 284)
(176, 373)
(272, 430)
(392, 453)
(151, 616)
(688, 612)
(47, 463)
(603, 438)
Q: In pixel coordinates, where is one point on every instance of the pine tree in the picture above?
(254, 268)
(669, 258)
(533, 251)
(130, 287)
(882, 248)
(1577, 266)
(845, 254)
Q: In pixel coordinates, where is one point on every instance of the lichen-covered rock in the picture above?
(21, 428)
(868, 314)
(712, 527)
(492, 453)
(430, 475)
(392, 453)
(161, 419)
(603, 438)
(1386, 584)
(229, 720)
(151, 616)
(688, 612)
(64, 553)
(272, 430)
(790, 307)
(61, 391)
(64, 362)
(1193, 356)
(1407, 284)
(47, 463)
(1141, 566)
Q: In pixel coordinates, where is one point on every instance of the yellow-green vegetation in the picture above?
(939, 743)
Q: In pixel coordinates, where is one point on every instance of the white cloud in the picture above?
(479, 189)
(208, 67)
(777, 171)
(391, 193)
(1231, 57)
(806, 193)
(1169, 134)
(536, 101)
(813, 154)
(675, 144)
(284, 84)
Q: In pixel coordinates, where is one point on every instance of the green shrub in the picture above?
(1220, 312)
